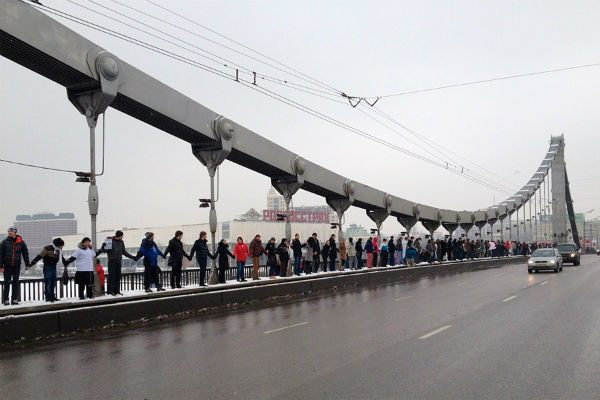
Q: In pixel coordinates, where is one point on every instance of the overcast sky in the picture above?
(361, 48)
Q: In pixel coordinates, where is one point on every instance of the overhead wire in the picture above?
(327, 88)
(307, 78)
(299, 87)
(446, 149)
(501, 78)
(349, 98)
(38, 166)
(224, 62)
(264, 91)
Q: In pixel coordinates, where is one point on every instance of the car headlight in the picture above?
(552, 261)
(573, 255)
(531, 262)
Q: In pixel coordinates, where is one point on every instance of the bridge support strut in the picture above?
(212, 156)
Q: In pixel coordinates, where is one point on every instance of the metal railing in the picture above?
(32, 289)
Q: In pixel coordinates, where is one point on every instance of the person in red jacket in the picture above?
(101, 275)
(241, 253)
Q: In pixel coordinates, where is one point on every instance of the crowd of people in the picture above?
(284, 259)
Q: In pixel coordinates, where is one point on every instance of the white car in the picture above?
(548, 259)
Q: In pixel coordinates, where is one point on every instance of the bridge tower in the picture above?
(559, 202)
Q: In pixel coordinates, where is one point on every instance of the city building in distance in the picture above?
(39, 229)
(356, 231)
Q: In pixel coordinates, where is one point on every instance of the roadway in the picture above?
(497, 333)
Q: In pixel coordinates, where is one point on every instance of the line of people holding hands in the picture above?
(283, 258)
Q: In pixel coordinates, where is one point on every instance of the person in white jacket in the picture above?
(404, 247)
(84, 277)
(351, 253)
(492, 248)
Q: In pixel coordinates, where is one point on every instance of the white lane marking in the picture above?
(285, 327)
(430, 334)
(509, 298)
(402, 298)
(463, 283)
(544, 283)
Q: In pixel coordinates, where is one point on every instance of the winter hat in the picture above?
(12, 229)
(85, 239)
(118, 233)
(149, 235)
(58, 242)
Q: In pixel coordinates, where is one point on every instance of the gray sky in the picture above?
(152, 179)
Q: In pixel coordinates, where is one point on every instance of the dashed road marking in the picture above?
(463, 283)
(509, 298)
(402, 298)
(430, 334)
(285, 327)
(544, 283)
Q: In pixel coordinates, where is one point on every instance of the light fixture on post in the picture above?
(281, 217)
(82, 177)
(204, 203)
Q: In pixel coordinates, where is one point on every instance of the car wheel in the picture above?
(529, 271)
(556, 270)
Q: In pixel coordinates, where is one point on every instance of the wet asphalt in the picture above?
(490, 334)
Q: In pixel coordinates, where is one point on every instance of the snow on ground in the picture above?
(229, 284)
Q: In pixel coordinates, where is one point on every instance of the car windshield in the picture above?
(543, 253)
(566, 247)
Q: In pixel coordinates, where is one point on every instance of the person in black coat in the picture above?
(297, 248)
(200, 248)
(325, 255)
(359, 251)
(222, 252)
(115, 255)
(391, 252)
(333, 252)
(52, 256)
(317, 255)
(11, 250)
(175, 247)
(284, 257)
(271, 251)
